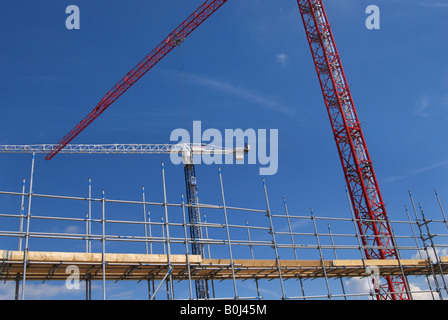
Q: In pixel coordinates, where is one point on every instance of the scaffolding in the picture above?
(248, 253)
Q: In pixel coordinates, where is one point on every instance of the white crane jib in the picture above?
(187, 150)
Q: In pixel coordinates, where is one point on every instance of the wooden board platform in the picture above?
(45, 266)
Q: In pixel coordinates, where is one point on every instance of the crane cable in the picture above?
(182, 86)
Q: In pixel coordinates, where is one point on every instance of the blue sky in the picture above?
(248, 66)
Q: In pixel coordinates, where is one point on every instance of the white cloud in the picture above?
(421, 254)
(242, 93)
(7, 291)
(37, 291)
(72, 229)
(416, 295)
(431, 106)
(422, 107)
(416, 172)
(365, 286)
(434, 4)
(359, 286)
(282, 58)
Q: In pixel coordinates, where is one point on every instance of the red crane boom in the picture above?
(170, 42)
(368, 205)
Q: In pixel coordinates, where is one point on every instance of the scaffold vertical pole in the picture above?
(274, 242)
(293, 242)
(206, 236)
(167, 238)
(336, 257)
(425, 247)
(418, 250)
(90, 214)
(103, 243)
(321, 256)
(232, 266)
(144, 219)
(27, 233)
(187, 253)
(434, 250)
(252, 256)
(149, 232)
(441, 209)
(22, 214)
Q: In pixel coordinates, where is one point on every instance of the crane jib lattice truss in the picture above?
(359, 174)
(362, 184)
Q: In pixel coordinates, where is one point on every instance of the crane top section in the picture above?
(182, 148)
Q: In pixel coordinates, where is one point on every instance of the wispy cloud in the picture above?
(434, 4)
(431, 106)
(240, 92)
(422, 107)
(72, 229)
(282, 59)
(416, 172)
(34, 78)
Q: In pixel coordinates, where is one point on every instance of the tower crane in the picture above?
(187, 153)
(363, 187)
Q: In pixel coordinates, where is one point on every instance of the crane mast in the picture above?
(194, 215)
(368, 205)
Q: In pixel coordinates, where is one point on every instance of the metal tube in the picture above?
(22, 214)
(274, 242)
(398, 255)
(252, 257)
(290, 228)
(163, 234)
(90, 214)
(168, 273)
(168, 240)
(87, 232)
(336, 257)
(206, 235)
(16, 293)
(292, 242)
(425, 248)
(436, 256)
(149, 232)
(441, 209)
(418, 250)
(171, 295)
(28, 219)
(228, 234)
(187, 253)
(209, 254)
(144, 219)
(358, 237)
(360, 246)
(103, 241)
(250, 240)
(320, 254)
